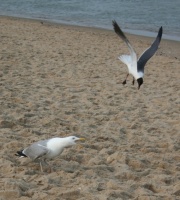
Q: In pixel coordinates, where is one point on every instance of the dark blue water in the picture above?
(135, 16)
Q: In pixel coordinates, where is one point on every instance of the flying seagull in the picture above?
(47, 149)
(136, 67)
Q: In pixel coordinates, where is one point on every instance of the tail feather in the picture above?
(20, 154)
(126, 59)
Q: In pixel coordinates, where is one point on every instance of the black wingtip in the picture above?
(118, 30)
(114, 22)
(160, 32)
(20, 154)
(115, 25)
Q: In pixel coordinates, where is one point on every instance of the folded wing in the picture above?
(36, 150)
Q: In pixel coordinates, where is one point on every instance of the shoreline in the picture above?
(171, 47)
(137, 33)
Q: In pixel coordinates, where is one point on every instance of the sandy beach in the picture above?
(58, 80)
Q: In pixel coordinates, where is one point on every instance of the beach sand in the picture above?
(59, 80)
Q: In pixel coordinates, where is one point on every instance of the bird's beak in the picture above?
(82, 139)
(140, 82)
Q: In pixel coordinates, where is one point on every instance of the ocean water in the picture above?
(134, 16)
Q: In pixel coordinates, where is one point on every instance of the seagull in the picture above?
(47, 149)
(136, 67)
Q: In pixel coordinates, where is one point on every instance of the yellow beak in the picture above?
(82, 139)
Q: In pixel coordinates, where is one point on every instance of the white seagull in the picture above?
(136, 67)
(47, 149)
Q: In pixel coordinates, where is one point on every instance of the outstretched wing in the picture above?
(133, 59)
(149, 52)
(119, 32)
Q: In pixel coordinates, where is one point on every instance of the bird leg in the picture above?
(44, 161)
(50, 169)
(41, 166)
(124, 82)
(133, 81)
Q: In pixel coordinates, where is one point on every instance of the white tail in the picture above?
(126, 59)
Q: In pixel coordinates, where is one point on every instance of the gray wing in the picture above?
(36, 150)
(119, 32)
(149, 52)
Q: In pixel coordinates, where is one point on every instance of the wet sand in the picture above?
(58, 80)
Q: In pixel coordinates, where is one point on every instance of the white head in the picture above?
(71, 140)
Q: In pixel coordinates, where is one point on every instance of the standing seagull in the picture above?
(47, 149)
(136, 67)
